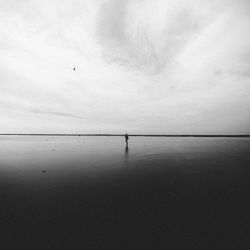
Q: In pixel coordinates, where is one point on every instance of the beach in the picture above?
(83, 192)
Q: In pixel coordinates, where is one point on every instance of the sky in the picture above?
(141, 66)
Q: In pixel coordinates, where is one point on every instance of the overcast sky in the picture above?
(142, 66)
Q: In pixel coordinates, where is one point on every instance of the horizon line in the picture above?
(136, 135)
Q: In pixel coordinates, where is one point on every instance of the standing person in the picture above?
(126, 139)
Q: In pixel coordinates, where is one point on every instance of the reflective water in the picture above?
(77, 192)
(111, 152)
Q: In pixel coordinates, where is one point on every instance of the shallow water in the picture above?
(76, 192)
(109, 152)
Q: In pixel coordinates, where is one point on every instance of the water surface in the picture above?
(93, 192)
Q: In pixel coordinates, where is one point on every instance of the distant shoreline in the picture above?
(135, 135)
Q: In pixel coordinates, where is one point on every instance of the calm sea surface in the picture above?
(110, 152)
(94, 193)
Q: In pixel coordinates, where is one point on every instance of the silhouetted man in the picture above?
(126, 139)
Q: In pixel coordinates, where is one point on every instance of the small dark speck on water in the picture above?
(53, 149)
(44, 171)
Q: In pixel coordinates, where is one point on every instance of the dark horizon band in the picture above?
(135, 135)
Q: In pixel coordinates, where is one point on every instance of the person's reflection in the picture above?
(126, 155)
(126, 151)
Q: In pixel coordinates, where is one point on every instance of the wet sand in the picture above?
(93, 193)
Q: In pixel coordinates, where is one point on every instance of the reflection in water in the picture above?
(126, 155)
(176, 183)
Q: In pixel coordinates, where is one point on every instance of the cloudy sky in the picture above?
(142, 66)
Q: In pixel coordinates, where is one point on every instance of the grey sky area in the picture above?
(141, 66)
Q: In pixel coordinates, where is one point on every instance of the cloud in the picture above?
(141, 66)
(148, 35)
(54, 113)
